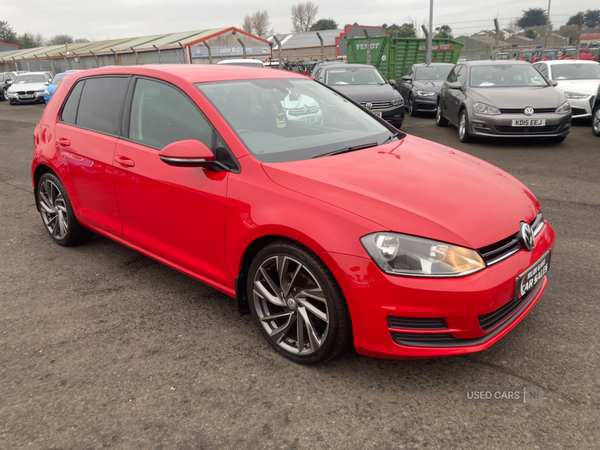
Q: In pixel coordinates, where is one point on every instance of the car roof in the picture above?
(346, 66)
(569, 61)
(490, 62)
(32, 73)
(433, 64)
(192, 73)
(234, 61)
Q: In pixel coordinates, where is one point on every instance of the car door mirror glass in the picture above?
(455, 85)
(406, 77)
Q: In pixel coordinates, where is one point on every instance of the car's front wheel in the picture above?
(596, 121)
(57, 213)
(463, 127)
(440, 120)
(412, 111)
(297, 303)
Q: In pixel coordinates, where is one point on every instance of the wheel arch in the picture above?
(40, 170)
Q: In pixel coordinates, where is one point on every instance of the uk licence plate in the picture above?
(532, 276)
(27, 96)
(528, 122)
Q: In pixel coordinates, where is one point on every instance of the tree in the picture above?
(303, 16)
(60, 39)
(573, 20)
(591, 18)
(444, 32)
(531, 34)
(30, 40)
(80, 41)
(532, 17)
(247, 24)
(324, 24)
(7, 34)
(257, 23)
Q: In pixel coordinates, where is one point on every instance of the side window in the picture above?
(452, 76)
(461, 77)
(69, 111)
(161, 115)
(100, 104)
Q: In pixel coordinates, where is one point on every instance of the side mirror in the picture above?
(455, 85)
(407, 78)
(9, 82)
(392, 82)
(46, 83)
(554, 83)
(188, 153)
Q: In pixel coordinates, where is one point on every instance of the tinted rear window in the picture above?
(69, 112)
(100, 104)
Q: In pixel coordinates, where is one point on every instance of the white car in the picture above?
(242, 62)
(577, 80)
(28, 88)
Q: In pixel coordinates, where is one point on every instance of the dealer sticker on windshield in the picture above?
(528, 122)
(532, 276)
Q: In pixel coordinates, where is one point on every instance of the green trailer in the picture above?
(393, 55)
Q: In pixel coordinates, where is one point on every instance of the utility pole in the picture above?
(547, 26)
(497, 38)
(579, 27)
(430, 35)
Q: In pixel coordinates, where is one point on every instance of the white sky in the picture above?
(109, 19)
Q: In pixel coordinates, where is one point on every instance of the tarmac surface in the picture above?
(103, 347)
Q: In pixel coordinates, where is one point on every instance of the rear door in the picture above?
(86, 134)
(175, 213)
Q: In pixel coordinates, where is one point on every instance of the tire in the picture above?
(412, 112)
(596, 121)
(306, 298)
(557, 140)
(440, 120)
(463, 127)
(57, 213)
(4, 95)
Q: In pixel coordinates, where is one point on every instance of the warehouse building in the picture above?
(192, 47)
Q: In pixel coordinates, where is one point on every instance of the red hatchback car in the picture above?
(329, 231)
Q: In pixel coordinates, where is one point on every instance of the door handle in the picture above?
(124, 161)
(63, 142)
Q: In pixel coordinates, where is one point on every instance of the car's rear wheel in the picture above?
(463, 127)
(440, 120)
(297, 303)
(596, 121)
(57, 213)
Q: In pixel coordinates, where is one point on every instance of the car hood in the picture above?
(519, 97)
(589, 87)
(367, 92)
(27, 87)
(416, 187)
(429, 85)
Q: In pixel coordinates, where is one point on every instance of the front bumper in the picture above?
(381, 305)
(582, 108)
(426, 104)
(25, 98)
(501, 125)
(395, 115)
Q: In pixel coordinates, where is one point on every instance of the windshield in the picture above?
(57, 78)
(353, 75)
(30, 78)
(281, 120)
(576, 71)
(506, 75)
(433, 73)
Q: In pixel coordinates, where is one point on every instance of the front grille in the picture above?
(303, 110)
(529, 130)
(500, 250)
(490, 320)
(417, 323)
(25, 92)
(522, 110)
(377, 105)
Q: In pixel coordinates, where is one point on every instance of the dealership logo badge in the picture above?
(529, 111)
(526, 236)
(369, 105)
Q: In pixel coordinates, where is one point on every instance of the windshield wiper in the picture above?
(347, 150)
(388, 140)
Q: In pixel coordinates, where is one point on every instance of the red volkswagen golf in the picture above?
(327, 224)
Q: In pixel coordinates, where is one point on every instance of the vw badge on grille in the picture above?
(369, 105)
(529, 111)
(526, 236)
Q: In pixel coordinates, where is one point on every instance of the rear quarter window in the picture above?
(101, 103)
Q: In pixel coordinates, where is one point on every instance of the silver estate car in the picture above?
(502, 99)
(28, 88)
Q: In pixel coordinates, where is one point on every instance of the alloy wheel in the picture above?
(291, 305)
(462, 126)
(53, 209)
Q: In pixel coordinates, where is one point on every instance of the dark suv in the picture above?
(366, 85)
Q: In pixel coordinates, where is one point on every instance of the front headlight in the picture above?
(402, 254)
(575, 95)
(40, 91)
(426, 93)
(483, 108)
(396, 101)
(565, 108)
(46, 93)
